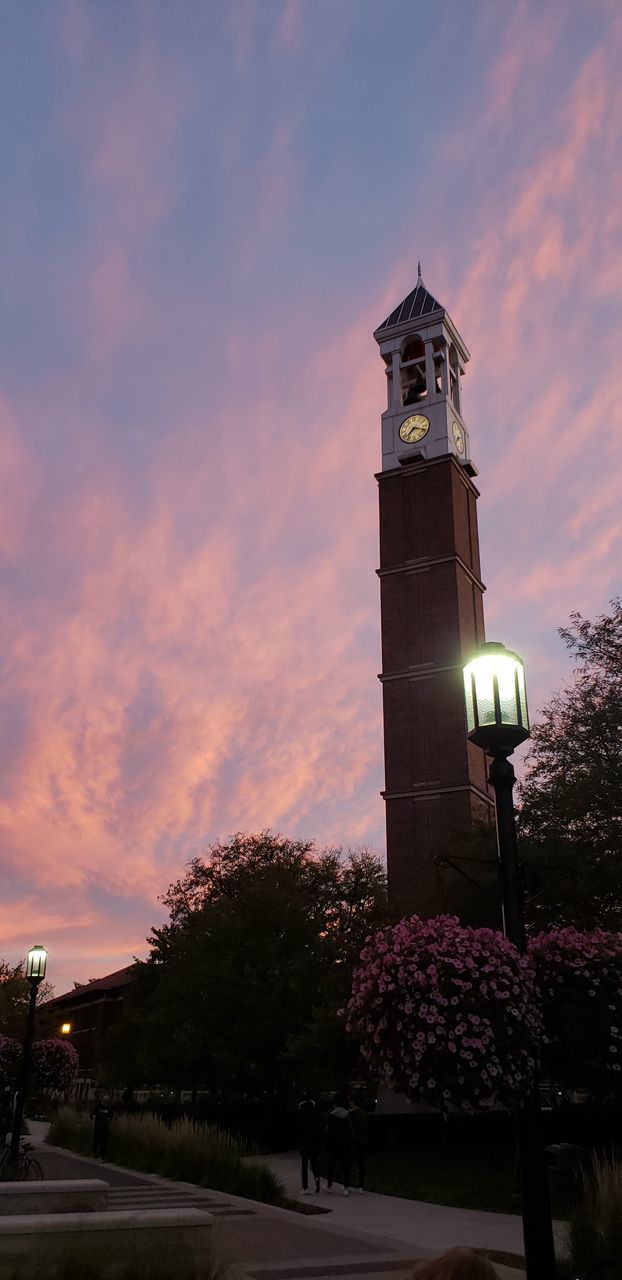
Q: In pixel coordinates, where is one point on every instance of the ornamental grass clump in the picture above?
(580, 981)
(72, 1129)
(447, 1014)
(203, 1154)
(594, 1239)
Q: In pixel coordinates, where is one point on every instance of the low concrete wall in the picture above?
(65, 1195)
(116, 1240)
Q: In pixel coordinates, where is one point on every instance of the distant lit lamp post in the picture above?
(35, 973)
(65, 1029)
(497, 720)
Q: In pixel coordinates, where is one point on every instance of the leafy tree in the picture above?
(256, 958)
(127, 1057)
(571, 795)
(14, 998)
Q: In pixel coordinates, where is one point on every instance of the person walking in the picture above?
(360, 1130)
(101, 1115)
(339, 1141)
(309, 1126)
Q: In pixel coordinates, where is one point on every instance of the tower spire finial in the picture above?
(419, 275)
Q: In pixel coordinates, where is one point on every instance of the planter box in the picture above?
(67, 1195)
(116, 1241)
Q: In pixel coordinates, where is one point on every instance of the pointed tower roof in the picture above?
(418, 303)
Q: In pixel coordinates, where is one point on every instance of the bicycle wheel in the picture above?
(32, 1170)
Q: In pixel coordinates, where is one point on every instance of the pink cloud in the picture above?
(197, 653)
(528, 40)
(289, 27)
(19, 482)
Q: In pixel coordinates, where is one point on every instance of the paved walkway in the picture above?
(367, 1235)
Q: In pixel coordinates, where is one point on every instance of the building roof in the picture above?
(120, 978)
(418, 303)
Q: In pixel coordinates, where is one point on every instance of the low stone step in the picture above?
(155, 1198)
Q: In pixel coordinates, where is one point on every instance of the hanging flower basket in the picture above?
(54, 1064)
(10, 1061)
(448, 1015)
(580, 980)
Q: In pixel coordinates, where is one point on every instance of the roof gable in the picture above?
(418, 303)
(111, 982)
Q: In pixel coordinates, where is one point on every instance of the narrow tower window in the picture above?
(454, 378)
(388, 361)
(414, 386)
(439, 347)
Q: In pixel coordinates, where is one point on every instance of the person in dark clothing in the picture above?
(360, 1129)
(339, 1141)
(309, 1125)
(101, 1115)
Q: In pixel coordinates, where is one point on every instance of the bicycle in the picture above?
(20, 1168)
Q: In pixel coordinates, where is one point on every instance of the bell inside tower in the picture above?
(412, 367)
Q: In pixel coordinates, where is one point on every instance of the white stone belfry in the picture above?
(425, 358)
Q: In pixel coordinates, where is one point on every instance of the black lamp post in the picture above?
(497, 720)
(35, 973)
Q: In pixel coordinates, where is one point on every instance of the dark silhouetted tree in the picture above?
(14, 998)
(571, 795)
(243, 984)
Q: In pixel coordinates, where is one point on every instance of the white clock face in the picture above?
(458, 435)
(414, 428)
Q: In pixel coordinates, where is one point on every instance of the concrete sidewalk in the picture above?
(416, 1223)
(367, 1235)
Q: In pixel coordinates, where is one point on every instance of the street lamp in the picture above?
(498, 721)
(36, 961)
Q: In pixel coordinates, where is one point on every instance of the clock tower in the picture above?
(432, 615)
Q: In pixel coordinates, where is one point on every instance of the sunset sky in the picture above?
(207, 207)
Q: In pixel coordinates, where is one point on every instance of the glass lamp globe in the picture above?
(35, 964)
(496, 699)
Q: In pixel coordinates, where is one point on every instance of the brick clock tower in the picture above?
(432, 616)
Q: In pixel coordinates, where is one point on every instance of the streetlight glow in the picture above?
(66, 1029)
(496, 699)
(35, 964)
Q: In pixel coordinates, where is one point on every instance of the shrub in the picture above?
(594, 1242)
(580, 981)
(205, 1155)
(448, 1015)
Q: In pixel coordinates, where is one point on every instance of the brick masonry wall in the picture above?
(432, 618)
